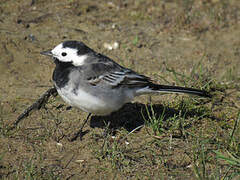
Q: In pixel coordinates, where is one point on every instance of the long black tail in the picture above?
(178, 89)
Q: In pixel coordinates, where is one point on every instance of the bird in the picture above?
(96, 84)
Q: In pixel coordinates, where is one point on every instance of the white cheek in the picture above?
(79, 60)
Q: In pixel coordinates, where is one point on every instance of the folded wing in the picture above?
(114, 75)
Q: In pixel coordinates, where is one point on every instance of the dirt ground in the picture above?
(193, 43)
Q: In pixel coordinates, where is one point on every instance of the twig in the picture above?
(36, 105)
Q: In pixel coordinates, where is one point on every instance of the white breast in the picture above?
(87, 102)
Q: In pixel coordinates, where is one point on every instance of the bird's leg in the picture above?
(80, 133)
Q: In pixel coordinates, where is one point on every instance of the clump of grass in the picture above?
(176, 117)
(232, 160)
(231, 155)
(224, 156)
(112, 151)
(154, 121)
(200, 160)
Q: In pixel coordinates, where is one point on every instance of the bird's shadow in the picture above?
(133, 115)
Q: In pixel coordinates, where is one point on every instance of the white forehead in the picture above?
(72, 55)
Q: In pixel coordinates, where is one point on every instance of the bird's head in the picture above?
(74, 52)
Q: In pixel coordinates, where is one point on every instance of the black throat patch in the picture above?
(61, 73)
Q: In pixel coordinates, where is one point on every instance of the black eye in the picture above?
(64, 54)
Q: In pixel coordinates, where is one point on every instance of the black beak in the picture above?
(47, 53)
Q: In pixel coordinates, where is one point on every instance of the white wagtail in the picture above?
(96, 84)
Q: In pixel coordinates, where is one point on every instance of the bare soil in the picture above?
(189, 43)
